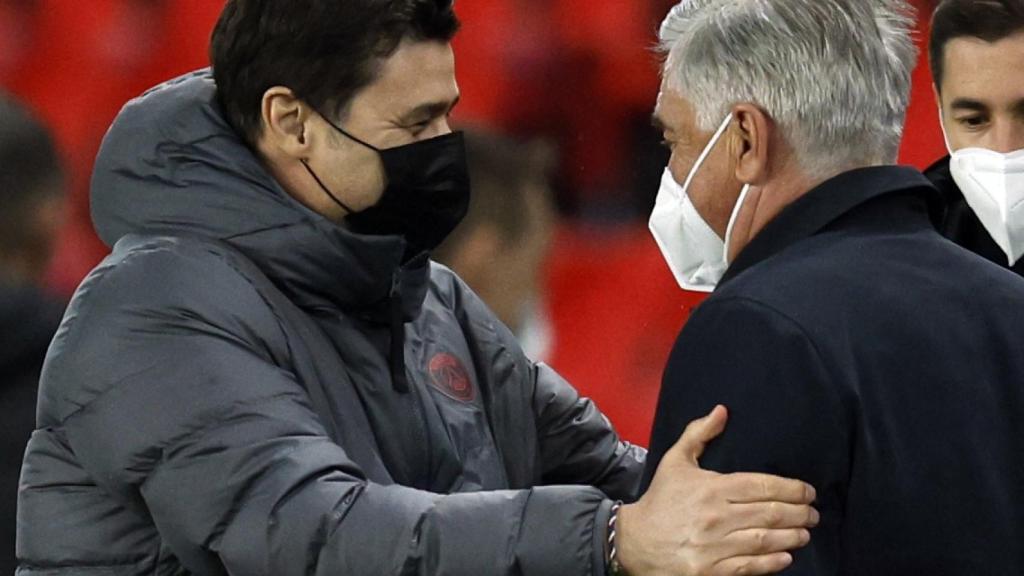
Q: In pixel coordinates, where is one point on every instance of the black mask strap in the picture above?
(349, 136)
(326, 189)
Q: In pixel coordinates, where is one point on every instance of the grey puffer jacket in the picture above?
(219, 398)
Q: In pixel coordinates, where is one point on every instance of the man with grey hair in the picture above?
(855, 347)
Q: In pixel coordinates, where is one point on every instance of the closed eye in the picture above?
(419, 127)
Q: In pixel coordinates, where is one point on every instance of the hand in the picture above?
(694, 522)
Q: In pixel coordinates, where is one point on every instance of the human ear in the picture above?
(750, 144)
(284, 122)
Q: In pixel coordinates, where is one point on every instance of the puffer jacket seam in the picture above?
(87, 308)
(416, 551)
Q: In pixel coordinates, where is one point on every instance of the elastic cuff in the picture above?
(600, 535)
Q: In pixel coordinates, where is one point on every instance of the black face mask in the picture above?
(427, 192)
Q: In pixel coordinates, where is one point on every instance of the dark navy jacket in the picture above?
(859, 350)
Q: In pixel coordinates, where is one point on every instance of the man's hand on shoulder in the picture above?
(693, 522)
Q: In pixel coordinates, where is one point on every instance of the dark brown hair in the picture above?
(988, 20)
(325, 51)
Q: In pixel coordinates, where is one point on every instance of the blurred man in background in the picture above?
(856, 347)
(31, 212)
(500, 247)
(977, 57)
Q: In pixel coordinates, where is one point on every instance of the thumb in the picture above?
(699, 433)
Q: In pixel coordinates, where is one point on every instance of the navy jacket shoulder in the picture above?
(859, 350)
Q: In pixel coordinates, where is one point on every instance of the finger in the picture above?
(769, 515)
(746, 488)
(760, 542)
(699, 433)
(753, 565)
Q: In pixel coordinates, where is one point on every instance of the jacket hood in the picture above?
(171, 165)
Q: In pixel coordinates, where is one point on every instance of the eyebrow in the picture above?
(968, 104)
(430, 110)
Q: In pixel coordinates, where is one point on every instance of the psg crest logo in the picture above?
(448, 375)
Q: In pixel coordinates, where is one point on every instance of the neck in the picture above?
(767, 201)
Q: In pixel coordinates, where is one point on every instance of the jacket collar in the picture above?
(940, 176)
(826, 203)
(320, 266)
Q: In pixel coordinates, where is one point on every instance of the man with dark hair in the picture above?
(32, 197)
(977, 58)
(268, 376)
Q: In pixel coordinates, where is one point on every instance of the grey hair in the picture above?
(834, 75)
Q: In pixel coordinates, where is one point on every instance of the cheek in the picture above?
(679, 167)
(958, 138)
(712, 193)
(364, 177)
(1017, 138)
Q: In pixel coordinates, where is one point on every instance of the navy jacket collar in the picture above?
(826, 203)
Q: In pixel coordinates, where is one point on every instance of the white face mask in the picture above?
(696, 255)
(993, 185)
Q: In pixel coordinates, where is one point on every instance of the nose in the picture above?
(437, 128)
(444, 127)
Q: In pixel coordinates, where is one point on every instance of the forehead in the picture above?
(418, 72)
(986, 71)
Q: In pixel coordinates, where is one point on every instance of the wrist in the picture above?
(613, 567)
(625, 531)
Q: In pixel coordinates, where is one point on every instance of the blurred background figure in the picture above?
(501, 246)
(32, 200)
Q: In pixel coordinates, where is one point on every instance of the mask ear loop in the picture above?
(349, 136)
(732, 219)
(320, 182)
(743, 193)
(707, 152)
(326, 189)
